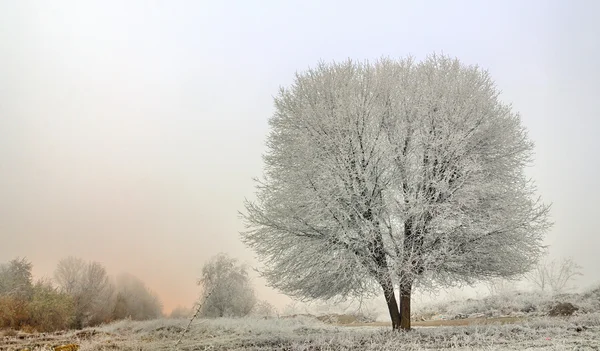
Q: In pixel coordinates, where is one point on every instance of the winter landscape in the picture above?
(541, 327)
(299, 176)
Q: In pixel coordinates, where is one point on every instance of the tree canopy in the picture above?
(393, 174)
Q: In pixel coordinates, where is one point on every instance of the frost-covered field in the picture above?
(303, 333)
(509, 304)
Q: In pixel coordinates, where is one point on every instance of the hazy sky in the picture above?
(130, 130)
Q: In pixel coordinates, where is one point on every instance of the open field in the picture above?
(302, 333)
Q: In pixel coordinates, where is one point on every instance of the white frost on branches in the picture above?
(555, 276)
(230, 293)
(393, 174)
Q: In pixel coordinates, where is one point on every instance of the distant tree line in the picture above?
(80, 295)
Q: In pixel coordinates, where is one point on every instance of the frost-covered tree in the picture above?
(68, 274)
(393, 175)
(554, 275)
(227, 288)
(16, 279)
(90, 288)
(16, 293)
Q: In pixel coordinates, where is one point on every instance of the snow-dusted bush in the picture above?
(514, 303)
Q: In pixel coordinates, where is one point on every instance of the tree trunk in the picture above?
(390, 298)
(405, 293)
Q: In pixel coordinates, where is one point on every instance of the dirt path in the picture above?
(444, 323)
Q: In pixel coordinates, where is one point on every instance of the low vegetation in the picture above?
(514, 304)
(510, 321)
(82, 295)
(304, 333)
(89, 311)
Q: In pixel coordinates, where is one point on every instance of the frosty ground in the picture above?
(304, 333)
(508, 321)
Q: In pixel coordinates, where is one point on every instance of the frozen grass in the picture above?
(535, 331)
(302, 333)
(509, 304)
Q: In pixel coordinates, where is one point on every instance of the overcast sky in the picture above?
(130, 130)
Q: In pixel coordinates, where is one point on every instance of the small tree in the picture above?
(69, 274)
(231, 294)
(16, 292)
(16, 279)
(554, 275)
(90, 288)
(393, 175)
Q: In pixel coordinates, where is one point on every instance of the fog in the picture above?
(130, 131)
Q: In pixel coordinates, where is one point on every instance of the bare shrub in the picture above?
(264, 309)
(50, 309)
(13, 312)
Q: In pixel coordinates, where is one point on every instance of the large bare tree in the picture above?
(393, 175)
